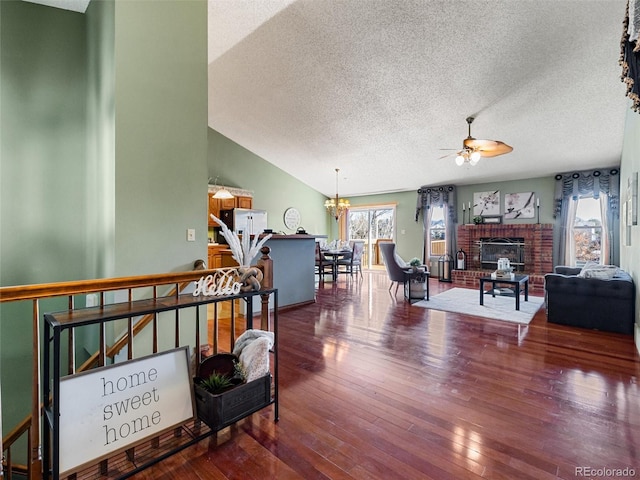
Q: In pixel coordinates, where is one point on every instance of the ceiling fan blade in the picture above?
(448, 154)
(488, 148)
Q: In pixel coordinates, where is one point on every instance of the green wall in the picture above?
(43, 214)
(100, 157)
(161, 135)
(273, 189)
(543, 188)
(43, 144)
(103, 153)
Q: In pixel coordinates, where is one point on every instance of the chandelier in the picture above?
(336, 206)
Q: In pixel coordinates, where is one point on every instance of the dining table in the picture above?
(335, 255)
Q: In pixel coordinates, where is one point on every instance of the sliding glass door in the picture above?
(373, 224)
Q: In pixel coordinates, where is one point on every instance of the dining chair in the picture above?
(323, 263)
(391, 260)
(353, 262)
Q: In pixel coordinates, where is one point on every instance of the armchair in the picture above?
(395, 270)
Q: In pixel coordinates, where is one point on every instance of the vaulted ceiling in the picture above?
(378, 88)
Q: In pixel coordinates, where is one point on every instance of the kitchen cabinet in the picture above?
(244, 202)
(214, 208)
(217, 204)
(219, 256)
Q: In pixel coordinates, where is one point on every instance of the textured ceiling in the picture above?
(378, 88)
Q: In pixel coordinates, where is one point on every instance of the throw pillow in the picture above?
(587, 266)
(603, 272)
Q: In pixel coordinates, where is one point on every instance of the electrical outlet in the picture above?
(191, 234)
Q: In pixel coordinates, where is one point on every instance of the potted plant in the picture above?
(223, 396)
(415, 263)
(477, 219)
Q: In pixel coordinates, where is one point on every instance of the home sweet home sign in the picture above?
(107, 410)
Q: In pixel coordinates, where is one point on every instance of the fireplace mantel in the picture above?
(538, 257)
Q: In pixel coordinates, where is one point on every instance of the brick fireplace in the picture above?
(538, 251)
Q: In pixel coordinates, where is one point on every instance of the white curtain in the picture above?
(606, 240)
(569, 246)
(428, 213)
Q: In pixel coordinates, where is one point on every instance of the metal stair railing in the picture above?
(31, 425)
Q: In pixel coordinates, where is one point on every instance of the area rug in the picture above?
(467, 301)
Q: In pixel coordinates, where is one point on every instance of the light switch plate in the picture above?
(191, 234)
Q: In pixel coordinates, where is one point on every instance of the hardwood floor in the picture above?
(372, 388)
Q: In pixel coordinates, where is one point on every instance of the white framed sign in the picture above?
(109, 409)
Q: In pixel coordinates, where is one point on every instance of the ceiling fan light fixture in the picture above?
(474, 149)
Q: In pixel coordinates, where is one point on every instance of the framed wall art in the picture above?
(486, 203)
(492, 219)
(626, 227)
(634, 198)
(519, 205)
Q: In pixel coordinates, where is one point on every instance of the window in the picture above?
(587, 231)
(437, 231)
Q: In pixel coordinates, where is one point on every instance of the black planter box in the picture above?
(222, 409)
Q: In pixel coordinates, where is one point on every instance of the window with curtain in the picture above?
(438, 231)
(593, 194)
(433, 202)
(589, 233)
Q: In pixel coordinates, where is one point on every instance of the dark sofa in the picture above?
(602, 304)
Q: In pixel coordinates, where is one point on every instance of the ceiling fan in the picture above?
(474, 149)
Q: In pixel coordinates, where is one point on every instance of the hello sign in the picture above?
(223, 282)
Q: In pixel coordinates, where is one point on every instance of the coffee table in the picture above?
(520, 283)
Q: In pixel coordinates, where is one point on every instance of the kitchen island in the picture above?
(293, 267)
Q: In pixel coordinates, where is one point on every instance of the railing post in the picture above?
(266, 263)
(35, 449)
(1, 447)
